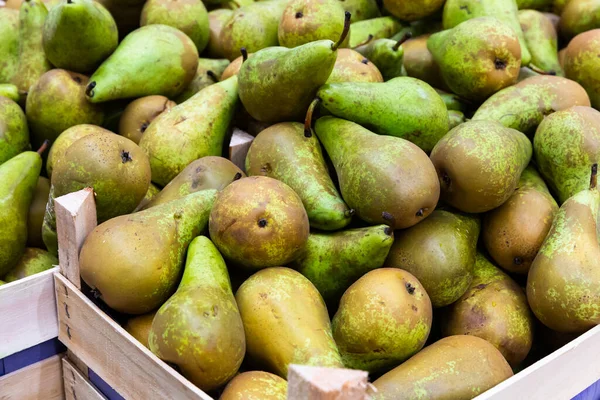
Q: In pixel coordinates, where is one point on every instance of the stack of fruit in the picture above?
(423, 172)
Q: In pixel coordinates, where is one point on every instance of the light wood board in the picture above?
(39, 381)
(77, 386)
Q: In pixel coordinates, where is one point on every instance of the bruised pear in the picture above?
(255, 385)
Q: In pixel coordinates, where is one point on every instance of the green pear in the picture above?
(37, 209)
(419, 63)
(563, 285)
(18, 179)
(565, 145)
(216, 21)
(476, 65)
(57, 102)
(154, 59)
(193, 129)
(285, 153)
(479, 164)
(384, 318)
(505, 11)
(361, 9)
(334, 261)
(579, 16)
(286, 322)
(541, 39)
(412, 10)
(386, 54)
(9, 43)
(152, 192)
(524, 105)
(536, 4)
(208, 351)
(79, 35)
(582, 63)
(32, 59)
(440, 253)
(150, 265)
(189, 16)
(419, 116)
(255, 385)
(209, 71)
(374, 28)
(452, 101)
(10, 91)
(526, 72)
(139, 327)
(399, 178)
(14, 133)
(138, 115)
(455, 118)
(32, 262)
(125, 12)
(351, 66)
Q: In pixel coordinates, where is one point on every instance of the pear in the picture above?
(285, 321)
(371, 29)
(433, 373)
(37, 209)
(139, 113)
(216, 20)
(412, 10)
(14, 132)
(541, 39)
(524, 105)
(387, 55)
(10, 91)
(195, 128)
(361, 9)
(255, 385)
(57, 102)
(18, 179)
(125, 12)
(150, 246)
(139, 327)
(513, 233)
(334, 261)
(582, 63)
(479, 164)
(32, 59)
(494, 308)
(505, 11)
(563, 287)
(351, 66)
(252, 27)
(278, 84)
(154, 59)
(384, 318)
(476, 65)
(579, 16)
(285, 153)
(565, 144)
(259, 222)
(208, 72)
(418, 62)
(79, 34)
(453, 102)
(49, 234)
(152, 192)
(455, 118)
(32, 262)
(440, 253)
(400, 179)
(9, 43)
(234, 67)
(420, 117)
(205, 173)
(208, 351)
(536, 4)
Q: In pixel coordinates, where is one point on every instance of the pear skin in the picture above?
(9, 91)
(139, 113)
(9, 43)
(139, 327)
(541, 38)
(14, 131)
(579, 16)
(582, 63)
(412, 10)
(536, 4)
(455, 118)
(362, 9)
(209, 72)
(234, 67)
(387, 54)
(216, 20)
(32, 262)
(152, 192)
(374, 28)
(37, 209)
(351, 66)
(255, 385)
(418, 62)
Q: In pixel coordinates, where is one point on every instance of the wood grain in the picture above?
(42, 380)
(317, 383)
(77, 386)
(238, 148)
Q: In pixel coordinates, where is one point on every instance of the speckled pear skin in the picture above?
(9, 43)
(139, 327)
(193, 129)
(563, 285)
(79, 34)
(286, 322)
(419, 116)
(150, 246)
(418, 62)
(440, 253)
(209, 71)
(582, 63)
(216, 20)
(37, 209)
(456, 367)
(524, 105)
(334, 261)
(199, 328)
(386, 55)
(565, 145)
(351, 66)
(506, 11)
(541, 39)
(18, 179)
(399, 178)
(380, 27)
(154, 59)
(9, 91)
(205, 173)
(14, 132)
(412, 10)
(253, 26)
(138, 115)
(494, 308)
(514, 232)
(305, 21)
(455, 118)
(32, 262)
(361, 9)
(277, 84)
(255, 385)
(479, 164)
(283, 152)
(579, 16)
(384, 318)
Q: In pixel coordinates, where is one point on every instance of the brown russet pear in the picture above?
(255, 385)
(579, 16)
(412, 10)
(351, 66)
(418, 62)
(139, 113)
(139, 327)
(582, 62)
(216, 20)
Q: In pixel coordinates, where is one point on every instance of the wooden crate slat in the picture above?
(239, 146)
(316, 383)
(42, 380)
(77, 386)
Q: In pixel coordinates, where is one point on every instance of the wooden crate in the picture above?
(42, 380)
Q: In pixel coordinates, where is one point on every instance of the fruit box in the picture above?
(42, 380)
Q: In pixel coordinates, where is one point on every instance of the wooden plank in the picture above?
(105, 347)
(317, 383)
(27, 312)
(75, 219)
(42, 380)
(80, 365)
(560, 375)
(77, 387)
(239, 146)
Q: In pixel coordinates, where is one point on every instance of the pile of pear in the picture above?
(419, 200)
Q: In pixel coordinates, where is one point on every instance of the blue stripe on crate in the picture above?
(106, 390)
(32, 355)
(591, 393)
(1, 367)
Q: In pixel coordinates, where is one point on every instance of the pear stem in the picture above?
(594, 177)
(540, 71)
(244, 54)
(388, 218)
(212, 75)
(369, 38)
(309, 117)
(347, 17)
(235, 3)
(89, 90)
(404, 38)
(43, 147)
